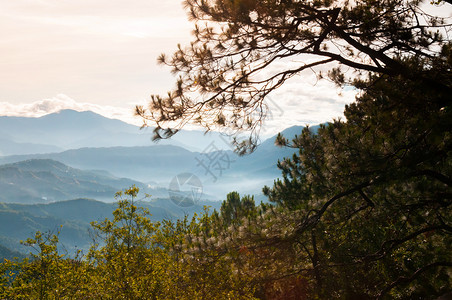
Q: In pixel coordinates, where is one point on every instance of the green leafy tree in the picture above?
(46, 274)
(126, 256)
(136, 258)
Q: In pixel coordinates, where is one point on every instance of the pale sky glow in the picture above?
(96, 51)
(101, 55)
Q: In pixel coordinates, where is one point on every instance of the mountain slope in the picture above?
(154, 163)
(9, 147)
(6, 253)
(45, 180)
(69, 129)
(72, 218)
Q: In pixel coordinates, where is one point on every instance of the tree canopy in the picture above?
(373, 193)
(245, 49)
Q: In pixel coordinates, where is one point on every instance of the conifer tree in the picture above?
(245, 49)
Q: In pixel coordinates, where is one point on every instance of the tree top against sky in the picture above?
(243, 50)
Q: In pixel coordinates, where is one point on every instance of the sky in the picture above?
(100, 55)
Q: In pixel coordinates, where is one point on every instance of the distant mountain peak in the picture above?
(71, 113)
(64, 112)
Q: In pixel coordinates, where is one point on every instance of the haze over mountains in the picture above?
(69, 129)
(93, 142)
(46, 180)
(47, 162)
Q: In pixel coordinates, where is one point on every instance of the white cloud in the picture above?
(305, 102)
(296, 104)
(61, 102)
(303, 99)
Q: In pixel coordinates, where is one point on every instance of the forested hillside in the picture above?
(46, 180)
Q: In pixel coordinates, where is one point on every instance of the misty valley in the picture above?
(65, 168)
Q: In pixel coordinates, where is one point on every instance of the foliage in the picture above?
(127, 258)
(142, 259)
(245, 49)
(46, 274)
(362, 211)
(374, 193)
(234, 209)
(131, 258)
(329, 235)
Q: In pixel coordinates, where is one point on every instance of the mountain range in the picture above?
(219, 169)
(47, 162)
(69, 129)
